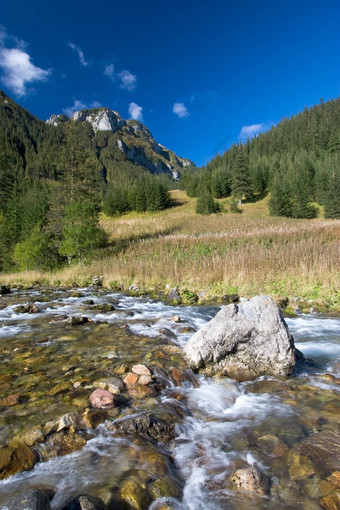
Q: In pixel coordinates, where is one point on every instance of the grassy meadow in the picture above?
(249, 253)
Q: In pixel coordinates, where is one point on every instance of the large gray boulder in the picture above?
(244, 341)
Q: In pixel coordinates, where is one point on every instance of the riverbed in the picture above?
(48, 366)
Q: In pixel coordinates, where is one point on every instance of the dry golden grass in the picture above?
(250, 253)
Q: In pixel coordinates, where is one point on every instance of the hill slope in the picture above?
(297, 161)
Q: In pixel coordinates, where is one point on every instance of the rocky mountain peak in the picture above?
(101, 119)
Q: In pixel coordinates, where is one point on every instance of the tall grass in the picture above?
(250, 253)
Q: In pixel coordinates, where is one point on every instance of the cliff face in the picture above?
(133, 140)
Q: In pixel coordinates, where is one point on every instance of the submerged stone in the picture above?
(86, 502)
(250, 481)
(31, 499)
(323, 449)
(16, 459)
(146, 425)
(102, 399)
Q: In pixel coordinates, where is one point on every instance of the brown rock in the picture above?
(72, 421)
(102, 399)
(331, 501)
(29, 437)
(144, 380)
(113, 385)
(250, 481)
(140, 391)
(140, 370)
(86, 502)
(13, 460)
(62, 443)
(323, 449)
(11, 400)
(93, 418)
(130, 379)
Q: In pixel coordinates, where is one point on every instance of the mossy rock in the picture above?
(16, 459)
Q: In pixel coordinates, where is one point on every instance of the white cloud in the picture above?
(135, 112)
(78, 105)
(110, 71)
(128, 81)
(125, 79)
(96, 104)
(254, 129)
(80, 54)
(180, 110)
(18, 70)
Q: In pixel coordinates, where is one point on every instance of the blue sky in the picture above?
(199, 74)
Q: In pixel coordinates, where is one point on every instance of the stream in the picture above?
(48, 366)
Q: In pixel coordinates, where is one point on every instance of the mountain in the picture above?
(35, 145)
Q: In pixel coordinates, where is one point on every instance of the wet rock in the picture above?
(113, 384)
(122, 369)
(88, 302)
(93, 418)
(29, 437)
(331, 501)
(4, 290)
(104, 307)
(166, 486)
(301, 466)
(144, 380)
(61, 443)
(250, 481)
(61, 387)
(72, 421)
(141, 391)
(86, 502)
(244, 342)
(146, 425)
(9, 401)
(323, 449)
(134, 493)
(174, 297)
(76, 321)
(140, 370)
(59, 318)
(176, 318)
(27, 308)
(130, 379)
(184, 376)
(230, 298)
(31, 499)
(16, 459)
(102, 399)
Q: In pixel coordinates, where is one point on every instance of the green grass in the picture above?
(249, 253)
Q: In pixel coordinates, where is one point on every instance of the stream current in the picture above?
(226, 425)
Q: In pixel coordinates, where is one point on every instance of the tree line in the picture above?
(297, 162)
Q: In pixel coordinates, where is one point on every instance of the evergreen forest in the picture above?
(297, 162)
(56, 180)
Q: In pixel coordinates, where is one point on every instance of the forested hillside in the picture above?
(55, 179)
(297, 161)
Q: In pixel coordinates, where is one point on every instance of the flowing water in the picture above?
(224, 425)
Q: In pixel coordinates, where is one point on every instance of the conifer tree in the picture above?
(241, 182)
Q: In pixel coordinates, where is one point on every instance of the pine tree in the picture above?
(332, 198)
(241, 182)
(206, 204)
(81, 231)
